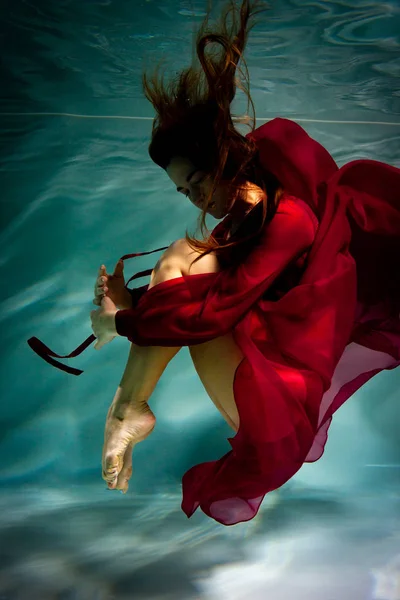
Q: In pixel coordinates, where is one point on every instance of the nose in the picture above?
(198, 201)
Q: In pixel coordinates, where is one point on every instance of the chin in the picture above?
(214, 213)
(222, 214)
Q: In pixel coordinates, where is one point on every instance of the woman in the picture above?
(288, 307)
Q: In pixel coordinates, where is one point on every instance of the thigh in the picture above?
(216, 362)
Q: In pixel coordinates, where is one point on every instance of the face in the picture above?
(194, 185)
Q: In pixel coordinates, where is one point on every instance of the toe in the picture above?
(111, 469)
(126, 471)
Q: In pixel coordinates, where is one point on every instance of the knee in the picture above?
(182, 255)
(170, 264)
(177, 250)
(173, 257)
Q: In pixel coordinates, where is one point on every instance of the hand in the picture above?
(113, 286)
(103, 322)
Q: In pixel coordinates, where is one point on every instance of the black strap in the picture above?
(44, 352)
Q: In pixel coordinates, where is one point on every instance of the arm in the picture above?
(196, 308)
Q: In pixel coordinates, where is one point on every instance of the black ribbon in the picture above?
(44, 352)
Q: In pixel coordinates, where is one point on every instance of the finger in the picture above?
(101, 281)
(98, 286)
(97, 299)
(126, 471)
(100, 289)
(102, 270)
(119, 269)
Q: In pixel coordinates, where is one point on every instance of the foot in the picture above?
(126, 425)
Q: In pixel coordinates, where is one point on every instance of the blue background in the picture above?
(78, 189)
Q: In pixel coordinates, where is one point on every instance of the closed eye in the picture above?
(187, 194)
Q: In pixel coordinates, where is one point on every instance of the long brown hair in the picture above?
(193, 120)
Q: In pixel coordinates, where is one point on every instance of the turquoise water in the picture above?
(78, 189)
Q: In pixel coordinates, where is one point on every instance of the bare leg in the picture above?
(130, 419)
(216, 362)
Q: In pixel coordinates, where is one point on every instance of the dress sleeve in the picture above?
(197, 308)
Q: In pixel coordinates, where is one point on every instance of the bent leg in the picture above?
(130, 419)
(216, 362)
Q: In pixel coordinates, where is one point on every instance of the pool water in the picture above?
(78, 189)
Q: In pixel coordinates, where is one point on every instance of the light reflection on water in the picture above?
(83, 543)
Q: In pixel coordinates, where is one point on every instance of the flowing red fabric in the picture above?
(307, 351)
(314, 308)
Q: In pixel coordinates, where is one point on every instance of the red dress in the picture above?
(314, 309)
